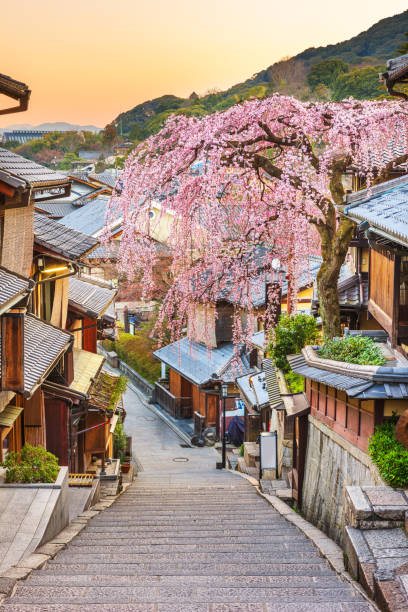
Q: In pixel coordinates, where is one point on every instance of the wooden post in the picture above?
(12, 350)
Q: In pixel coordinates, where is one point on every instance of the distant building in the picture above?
(23, 136)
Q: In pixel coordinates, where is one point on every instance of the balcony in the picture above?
(177, 407)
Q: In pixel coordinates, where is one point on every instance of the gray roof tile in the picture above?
(89, 218)
(198, 364)
(60, 239)
(43, 346)
(377, 388)
(385, 207)
(11, 286)
(89, 298)
(34, 175)
(56, 208)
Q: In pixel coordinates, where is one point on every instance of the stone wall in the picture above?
(332, 463)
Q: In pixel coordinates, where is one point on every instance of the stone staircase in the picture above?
(196, 543)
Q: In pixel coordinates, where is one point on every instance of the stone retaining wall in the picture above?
(332, 463)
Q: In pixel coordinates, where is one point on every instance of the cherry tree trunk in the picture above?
(334, 250)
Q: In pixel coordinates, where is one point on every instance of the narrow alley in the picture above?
(184, 537)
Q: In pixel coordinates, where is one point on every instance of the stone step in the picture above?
(197, 607)
(309, 567)
(39, 579)
(188, 557)
(221, 547)
(91, 539)
(195, 533)
(186, 593)
(163, 510)
(210, 520)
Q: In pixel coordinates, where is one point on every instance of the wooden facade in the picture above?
(353, 419)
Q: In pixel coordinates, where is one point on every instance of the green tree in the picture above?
(404, 47)
(292, 333)
(109, 136)
(360, 83)
(326, 73)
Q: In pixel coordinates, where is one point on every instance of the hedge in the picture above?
(389, 455)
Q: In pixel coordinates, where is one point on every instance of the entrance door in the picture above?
(299, 456)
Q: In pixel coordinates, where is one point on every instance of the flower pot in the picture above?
(125, 467)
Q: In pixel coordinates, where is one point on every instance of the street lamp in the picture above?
(224, 394)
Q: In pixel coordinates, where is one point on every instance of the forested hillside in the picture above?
(334, 72)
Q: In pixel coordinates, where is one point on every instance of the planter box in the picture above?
(46, 513)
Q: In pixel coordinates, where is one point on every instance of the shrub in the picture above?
(292, 333)
(389, 455)
(296, 382)
(118, 391)
(31, 464)
(353, 349)
(119, 439)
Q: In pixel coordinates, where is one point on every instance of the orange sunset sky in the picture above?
(85, 60)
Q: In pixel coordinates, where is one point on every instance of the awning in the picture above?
(86, 368)
(9, 415)
(295, 404)
(103, 393)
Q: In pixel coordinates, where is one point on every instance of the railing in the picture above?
(177, 407)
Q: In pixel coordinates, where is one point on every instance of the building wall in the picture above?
(332, 463)
(18, 240)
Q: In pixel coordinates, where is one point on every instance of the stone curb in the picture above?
(325, 545)
(45, 552)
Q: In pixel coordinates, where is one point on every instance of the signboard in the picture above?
(268, 450)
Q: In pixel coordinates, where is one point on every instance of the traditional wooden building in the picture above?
(344, 401)
(51, 392)
(382, 214)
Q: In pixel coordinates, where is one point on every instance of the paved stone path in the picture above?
(185, 538)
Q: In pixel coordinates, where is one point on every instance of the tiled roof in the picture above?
(198, 364)
(253, 388)
(16, 90)
(387, 383)
(258, 339)
(11, 287)
(60, 239)
(100, 252)
(43, 346)
(107, 178)
(33, 174)
(272, 386)
(56, 208)
(89, 298)
(89, 218)
(384, 206)
(397, 67)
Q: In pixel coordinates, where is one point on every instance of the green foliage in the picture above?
(403, 49)
(68, 161)
(292, 333)
(353, 349)
(137, 351)
(31, 464)
(241, 450)
(326, 73)
(389, 455)
(118, 391)
(295, 382)
(360, 83)
(368, 48)
(119, 439)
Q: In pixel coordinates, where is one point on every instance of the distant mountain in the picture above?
(363, 53)
(57, 126)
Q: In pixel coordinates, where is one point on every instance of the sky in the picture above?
(86, 60)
